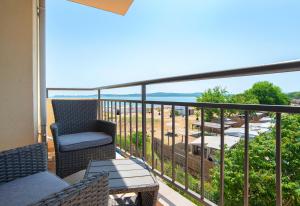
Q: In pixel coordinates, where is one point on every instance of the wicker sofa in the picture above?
(24, 180)
(79, 137)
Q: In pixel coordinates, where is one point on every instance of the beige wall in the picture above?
(18, 73)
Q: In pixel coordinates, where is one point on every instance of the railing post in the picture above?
(278, 160)
(99, 105)
(144, 120)
(221, 203)
(120, 124)
(152, 136)
(162, 139)
(130, 127)
(246, 160)
(186, 142)
(125, 132)
(202, 153)
(111, 111)
(173, 143)
(137, 154)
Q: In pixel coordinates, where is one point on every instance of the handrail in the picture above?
(227, 106)
(67, 89)
(70, 89)
(289, 66)
(282, 67)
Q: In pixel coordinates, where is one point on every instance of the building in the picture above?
(212, 143)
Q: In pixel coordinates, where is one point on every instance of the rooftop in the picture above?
(214, 141)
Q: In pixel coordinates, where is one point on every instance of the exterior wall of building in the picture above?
(18, 73)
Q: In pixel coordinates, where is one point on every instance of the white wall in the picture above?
(18, 73)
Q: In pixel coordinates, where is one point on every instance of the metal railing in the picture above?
(116, 110)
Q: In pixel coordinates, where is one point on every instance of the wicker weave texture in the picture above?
(75, 116)
(70, 162)
(22, 162)
(92, 191)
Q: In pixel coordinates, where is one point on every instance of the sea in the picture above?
(166, 99)
(126, 97)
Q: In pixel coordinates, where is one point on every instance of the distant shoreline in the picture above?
(160, 96)
(156, 94)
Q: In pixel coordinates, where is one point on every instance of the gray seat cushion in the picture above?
(30, 189)
(82, 140)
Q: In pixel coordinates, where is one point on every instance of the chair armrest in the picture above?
(107, 127)
(23, 161)
(54, 130)
(90, 191)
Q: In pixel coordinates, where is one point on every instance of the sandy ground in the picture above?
(179, 124)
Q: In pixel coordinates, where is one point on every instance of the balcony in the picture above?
(169, 136)
(221, 161)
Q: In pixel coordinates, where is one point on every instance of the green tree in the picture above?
(294, 95)
(268, 93)
(260, 93)
(139, 137)
(262, 168)
(244, 98)
(215, 95)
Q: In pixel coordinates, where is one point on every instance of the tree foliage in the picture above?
(268, 93)
(260, 93)
(294, 95)
(262, 168)
(215, 95)
(244, 98)
(221, 95)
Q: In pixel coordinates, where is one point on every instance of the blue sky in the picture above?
(87, 47)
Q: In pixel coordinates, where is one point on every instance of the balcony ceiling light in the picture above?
(116, 6)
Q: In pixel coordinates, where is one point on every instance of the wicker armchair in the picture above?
(24, 180)
(92, 191)
(79, 137)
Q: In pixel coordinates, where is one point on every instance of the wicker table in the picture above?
(127, 176)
